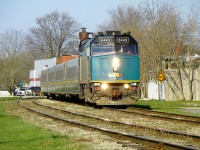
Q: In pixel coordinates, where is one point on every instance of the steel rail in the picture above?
(161, 115)
(175, 134)
(133, 138)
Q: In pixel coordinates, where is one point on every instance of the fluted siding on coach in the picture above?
(62, 78)
(59, 78)
(44, 81)
(72, 76)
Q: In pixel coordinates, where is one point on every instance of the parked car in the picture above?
(24, 91)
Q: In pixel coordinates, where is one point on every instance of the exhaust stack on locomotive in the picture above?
(83, 34)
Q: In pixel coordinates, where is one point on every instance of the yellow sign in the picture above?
(161, 76)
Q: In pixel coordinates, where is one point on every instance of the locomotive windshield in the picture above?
(102, 49)
(114, 45)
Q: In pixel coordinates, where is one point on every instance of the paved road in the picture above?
(192, 110)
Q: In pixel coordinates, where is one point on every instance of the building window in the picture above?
(45, 66)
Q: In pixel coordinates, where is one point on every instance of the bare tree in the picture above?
(11, 48)
(154, 25)
(55, 34)
(162, 33)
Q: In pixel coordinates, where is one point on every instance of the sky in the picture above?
(21, 14)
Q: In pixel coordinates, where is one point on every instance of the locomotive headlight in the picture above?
(104, 86)
(126, 86)
(115, 64)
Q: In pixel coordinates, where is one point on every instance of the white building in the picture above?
(39, 65)
(4, 94)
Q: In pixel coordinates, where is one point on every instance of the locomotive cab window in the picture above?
(126, 49)
(102, 49)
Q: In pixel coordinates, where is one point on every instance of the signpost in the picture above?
(161, 78)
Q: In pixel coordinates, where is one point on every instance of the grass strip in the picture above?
(16, 134)
(175, 107)
(9, 98)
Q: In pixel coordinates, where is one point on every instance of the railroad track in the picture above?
(133, 133)
(162, 115)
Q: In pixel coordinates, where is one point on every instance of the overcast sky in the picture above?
(21, 14)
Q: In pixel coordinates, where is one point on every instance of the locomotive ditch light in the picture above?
(126, 86)
(97, 84)
(104, 86)
(133, 84)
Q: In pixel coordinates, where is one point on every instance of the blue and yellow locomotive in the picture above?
(106, 71)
